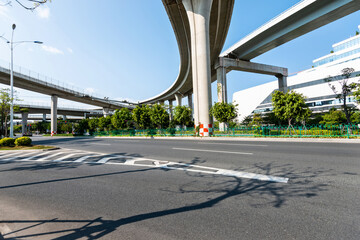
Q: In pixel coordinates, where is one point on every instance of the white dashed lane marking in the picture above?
(135, 161)
(213, 151)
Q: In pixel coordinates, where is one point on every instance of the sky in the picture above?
(125, 49)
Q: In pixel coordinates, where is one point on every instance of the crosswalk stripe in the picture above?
(64, 157)
(32, 157)
(21, 155)
(47, 157)
(11, 154)
(83, 158)
(106, 159)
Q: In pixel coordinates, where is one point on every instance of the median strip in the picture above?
(205, 150)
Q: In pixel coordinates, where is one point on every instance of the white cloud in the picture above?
(43, 12)
(69, 50)
(89, 90)
(4, 13)
(51, 50)
(127, 99)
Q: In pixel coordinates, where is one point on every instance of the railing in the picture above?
(314, 131)
(45, 80)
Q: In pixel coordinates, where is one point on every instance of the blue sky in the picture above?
(127, 49)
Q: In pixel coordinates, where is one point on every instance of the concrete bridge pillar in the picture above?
(106, 112)
(64, 117)
(282, 80)
(178, 98)
(198, 12)
(54, 103)
(190, 103)
(171, 109)
(44, 117)
(24, 118)
(221, 85)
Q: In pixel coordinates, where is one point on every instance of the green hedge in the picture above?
(23, 141)
(7, 142)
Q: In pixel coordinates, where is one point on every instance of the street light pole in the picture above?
(12, 46)
(12, 83)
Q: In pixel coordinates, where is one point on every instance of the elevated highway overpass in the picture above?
(32, 82)
(201, 27)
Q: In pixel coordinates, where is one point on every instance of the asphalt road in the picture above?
(61, 200)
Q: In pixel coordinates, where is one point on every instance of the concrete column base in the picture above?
(54, 102)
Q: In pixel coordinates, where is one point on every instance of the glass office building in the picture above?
(312, 83)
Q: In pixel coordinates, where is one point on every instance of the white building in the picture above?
(311, 83)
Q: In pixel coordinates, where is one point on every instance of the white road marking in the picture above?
(239, 144)
(202, 169)
(64, 157)
(21, 155)
(12, 154)
(205, 150)
(106, 159)
(47, 157)
(154, 163)
(83, 158)
(32, 157)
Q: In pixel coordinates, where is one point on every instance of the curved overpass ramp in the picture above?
(220, 16)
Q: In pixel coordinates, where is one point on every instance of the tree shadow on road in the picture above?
(214, 189)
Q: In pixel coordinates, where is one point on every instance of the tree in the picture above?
(5, 104)
(223, 112)
(257, 120)
(345, 89)
(104, 123)
(333, 117)
(356, 93)
(34, 3)
(93, 124)
(121, 118)
(159, 116)
(141, 115)
(183, 116)
(290, 106)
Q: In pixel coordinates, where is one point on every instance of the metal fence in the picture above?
(314, 131)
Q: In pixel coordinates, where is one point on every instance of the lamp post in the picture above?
(12, 46)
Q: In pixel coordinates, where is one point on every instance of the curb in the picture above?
(310, 140)
(50, 149)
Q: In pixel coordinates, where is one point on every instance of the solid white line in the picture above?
(203, 169)
(47, 157)
(234, 144)
(64, 157)
(205, 150)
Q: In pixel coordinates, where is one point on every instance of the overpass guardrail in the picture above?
(314, 131)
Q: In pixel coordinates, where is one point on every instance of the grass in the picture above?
(34, 147)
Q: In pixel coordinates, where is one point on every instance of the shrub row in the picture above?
(10, 142)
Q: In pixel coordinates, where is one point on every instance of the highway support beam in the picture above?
(171, 109)
(106, 112)
(198, 12)
(225, 65)
(178, 99)
(54, 103)
(24, 118)
(44, 117)
(190, 104)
